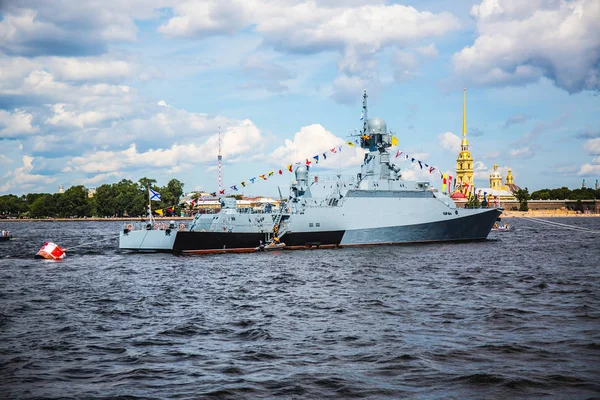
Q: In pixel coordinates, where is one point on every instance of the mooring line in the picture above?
(561, 225)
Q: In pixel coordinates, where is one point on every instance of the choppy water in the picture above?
(517, 316)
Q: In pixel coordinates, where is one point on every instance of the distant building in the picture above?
(464, 161)
(498, 192)
(463, 183)
(61, 189)
(91, 192)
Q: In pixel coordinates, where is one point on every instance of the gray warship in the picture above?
(374, 207)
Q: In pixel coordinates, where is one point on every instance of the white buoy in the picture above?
(51, 251)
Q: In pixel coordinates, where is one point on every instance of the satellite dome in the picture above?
(376, 126)
(301, 173)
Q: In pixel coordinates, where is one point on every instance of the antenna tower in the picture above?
(219, 158)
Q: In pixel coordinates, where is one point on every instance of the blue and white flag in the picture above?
(362, 115)
(154, 195)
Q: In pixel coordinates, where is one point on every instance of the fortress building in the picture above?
(464, 162)
(497, 191)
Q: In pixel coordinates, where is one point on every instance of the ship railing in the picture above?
(166, 226)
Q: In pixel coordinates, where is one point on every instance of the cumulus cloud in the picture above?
(21, 178)
(243, 139)
(70, 27)
(450, 141)
(16, 124)
(314, 140)
(357, 30)
(592, 146)
(519, 42)
(589, 170)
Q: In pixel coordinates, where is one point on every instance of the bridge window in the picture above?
(318, 224)
(310, 224)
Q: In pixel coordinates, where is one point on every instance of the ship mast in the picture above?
(219, 159)
(364, 112)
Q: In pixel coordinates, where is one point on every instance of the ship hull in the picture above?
(474, 227)
(466, 228)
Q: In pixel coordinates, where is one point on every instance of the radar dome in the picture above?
(376, 126)
(301, 173)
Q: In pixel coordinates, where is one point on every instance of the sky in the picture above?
(96, 91)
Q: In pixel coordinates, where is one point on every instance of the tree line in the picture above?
(121, 199)
(563, 193)
(130, 199)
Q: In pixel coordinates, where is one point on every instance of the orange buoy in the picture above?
(51, 251)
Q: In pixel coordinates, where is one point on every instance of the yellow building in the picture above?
(498, 191)
(464, 162)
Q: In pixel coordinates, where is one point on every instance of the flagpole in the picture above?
(149, 204)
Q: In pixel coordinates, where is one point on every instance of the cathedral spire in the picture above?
(464, 162)
(464, 132)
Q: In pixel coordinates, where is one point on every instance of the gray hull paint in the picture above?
(474, 227)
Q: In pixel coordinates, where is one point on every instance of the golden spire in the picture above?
(464, 112)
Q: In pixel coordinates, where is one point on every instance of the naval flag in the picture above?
(154, 195)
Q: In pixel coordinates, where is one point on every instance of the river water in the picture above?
(516, 316)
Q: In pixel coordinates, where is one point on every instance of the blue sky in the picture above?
(92, 91)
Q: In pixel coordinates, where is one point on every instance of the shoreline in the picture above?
(505, 214)
(546, 214)
(111, 219)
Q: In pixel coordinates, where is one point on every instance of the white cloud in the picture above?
(313, 140)
(592, 146)
(21, 179)
(239, 141)
(358, 30)
(70, 27)
(521, 41)
(450, 141)
(63, 117)
(589, 170)
(16, 124)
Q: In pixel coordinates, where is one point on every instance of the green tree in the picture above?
(105, 201)
(45, 206)
(75, 202)
(12, 206)
(130, 199)
(522, 195)
(146, 183)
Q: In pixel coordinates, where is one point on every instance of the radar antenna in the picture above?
(219, 159)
